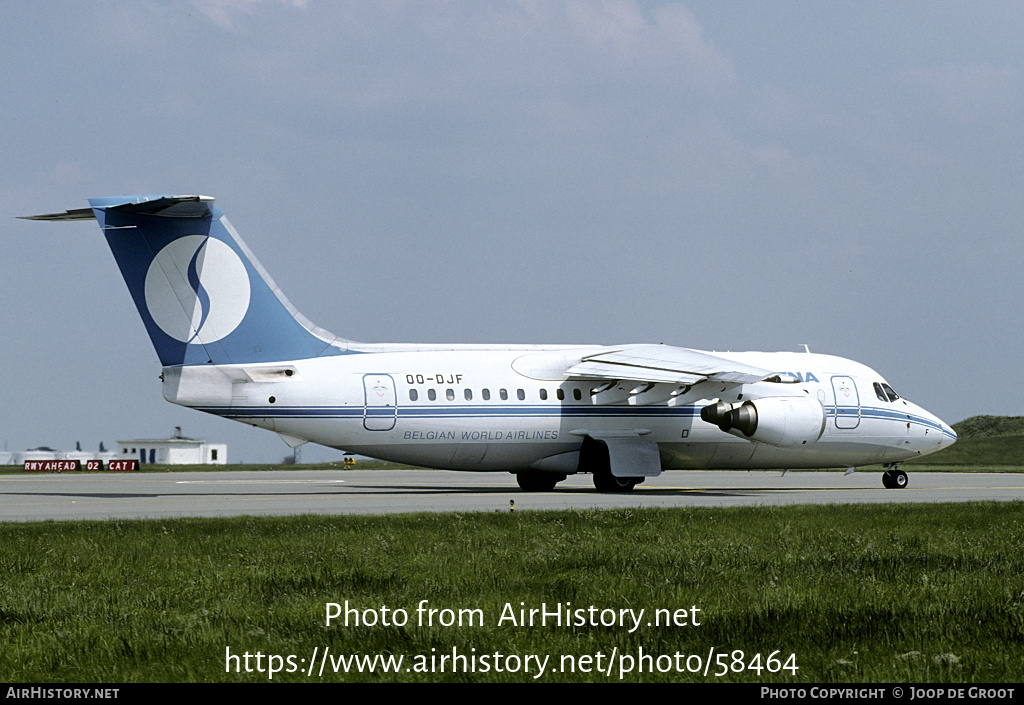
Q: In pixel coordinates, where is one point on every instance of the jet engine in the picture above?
(784, 422)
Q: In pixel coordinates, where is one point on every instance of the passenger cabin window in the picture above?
(503, 394)
(486, 394)
(413, 395)
(469, 395)
(449, 394)
(577, 394)
(543, 395)
(431, 395)
(520, 394)
(560, 394)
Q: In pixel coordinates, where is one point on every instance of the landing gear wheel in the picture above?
(894, 479)
(604, 481)
(538, 481)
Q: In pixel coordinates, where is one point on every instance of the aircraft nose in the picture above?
(937, 429)
(948, 435)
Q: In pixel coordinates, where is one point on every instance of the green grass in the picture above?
(888, 593)
(989, 426)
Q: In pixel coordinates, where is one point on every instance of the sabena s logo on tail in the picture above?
(203, 278)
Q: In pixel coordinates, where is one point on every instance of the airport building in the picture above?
(173, 451)
(177, 450)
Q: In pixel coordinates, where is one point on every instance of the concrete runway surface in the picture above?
(277, 493)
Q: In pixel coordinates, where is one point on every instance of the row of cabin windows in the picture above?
(883, 391)
(485, 394)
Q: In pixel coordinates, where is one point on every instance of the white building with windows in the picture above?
(178, 450)
(173, 451)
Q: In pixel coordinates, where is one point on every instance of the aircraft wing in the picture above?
(663, 364)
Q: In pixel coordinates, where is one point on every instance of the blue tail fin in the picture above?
(202, 295)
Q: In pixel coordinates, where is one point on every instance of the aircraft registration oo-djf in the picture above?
(231, 344)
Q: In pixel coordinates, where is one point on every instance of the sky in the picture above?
(714, 175)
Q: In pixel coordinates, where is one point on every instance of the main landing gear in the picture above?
(538, 481)
(596, 459)
(893, 478)
(604, 481)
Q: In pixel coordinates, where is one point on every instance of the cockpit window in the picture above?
(884, 392)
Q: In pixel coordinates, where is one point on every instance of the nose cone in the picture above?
(926, 432)
(937, 430)
(948, 435)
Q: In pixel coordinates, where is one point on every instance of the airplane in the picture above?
(231, 344)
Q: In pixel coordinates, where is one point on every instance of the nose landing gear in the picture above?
(893, 478)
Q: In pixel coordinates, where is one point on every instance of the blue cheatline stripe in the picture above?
(484, 411)
(421, 412)
(872, 412)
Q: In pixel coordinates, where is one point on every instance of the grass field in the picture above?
(880, 594)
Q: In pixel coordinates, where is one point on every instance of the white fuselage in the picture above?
(512, 409)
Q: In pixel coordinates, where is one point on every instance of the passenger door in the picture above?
(847, 402)
(381, 406)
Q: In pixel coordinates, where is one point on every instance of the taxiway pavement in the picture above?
(287, 492)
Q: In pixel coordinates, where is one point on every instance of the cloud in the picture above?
(669, 35)
(225, 13)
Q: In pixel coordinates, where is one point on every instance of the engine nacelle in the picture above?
(784, 422)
